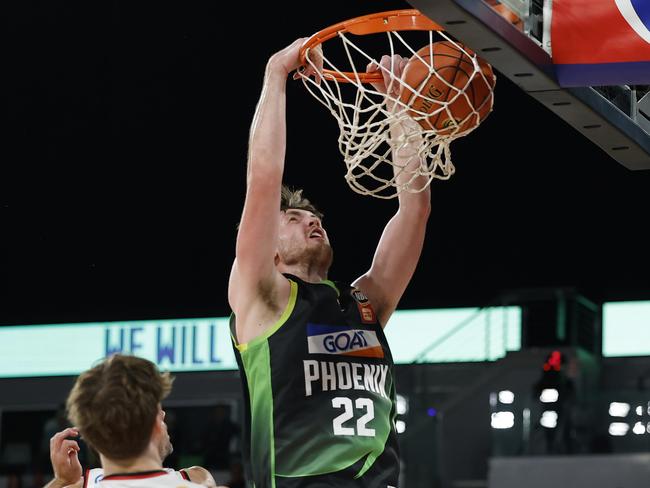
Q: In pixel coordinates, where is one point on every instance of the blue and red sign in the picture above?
(601, 42)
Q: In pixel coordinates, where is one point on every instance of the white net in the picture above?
(399, 140)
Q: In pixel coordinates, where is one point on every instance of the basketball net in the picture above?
(376, 127)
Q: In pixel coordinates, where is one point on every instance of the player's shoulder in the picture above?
(245, 294)
(200, 475)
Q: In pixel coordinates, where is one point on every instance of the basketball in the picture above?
(451, 77)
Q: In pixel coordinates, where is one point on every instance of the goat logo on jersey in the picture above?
(330, 339)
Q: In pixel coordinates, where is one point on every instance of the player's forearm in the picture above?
(416, 205)
(257, 236)
(406, 142)
(268, 131)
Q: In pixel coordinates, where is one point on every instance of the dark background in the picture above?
(123, 171)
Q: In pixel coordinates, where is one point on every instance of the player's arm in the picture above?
(401, 242)
(254, 275)
(65, 461)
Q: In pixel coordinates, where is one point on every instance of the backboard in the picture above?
(602, 91)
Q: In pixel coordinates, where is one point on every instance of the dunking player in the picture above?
(316, 367)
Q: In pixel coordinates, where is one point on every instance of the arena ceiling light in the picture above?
(619, 409)
(401, 405)
(506, 397)
(549, 419)
(549, 395)
(639, 428)
(502, 420)
(618, 428)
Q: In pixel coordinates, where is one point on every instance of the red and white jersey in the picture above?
(162, 478)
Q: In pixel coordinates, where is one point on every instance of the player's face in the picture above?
(165, 447)
(302, 239)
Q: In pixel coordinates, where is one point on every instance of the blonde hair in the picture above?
(290, 198)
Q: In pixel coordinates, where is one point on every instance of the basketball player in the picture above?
(316, 368)
(116, 407)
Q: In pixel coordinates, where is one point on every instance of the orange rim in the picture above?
(394, 20)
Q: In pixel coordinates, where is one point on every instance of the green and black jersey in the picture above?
(320, 394)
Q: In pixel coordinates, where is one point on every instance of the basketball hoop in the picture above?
(416, 124)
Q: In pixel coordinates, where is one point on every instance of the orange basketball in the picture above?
(454, 73)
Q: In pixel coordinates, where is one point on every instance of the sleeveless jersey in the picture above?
(160, 478)
(319, 394)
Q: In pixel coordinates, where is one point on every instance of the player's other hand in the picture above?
(64, 455)
(313, 64)
(288, 60)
